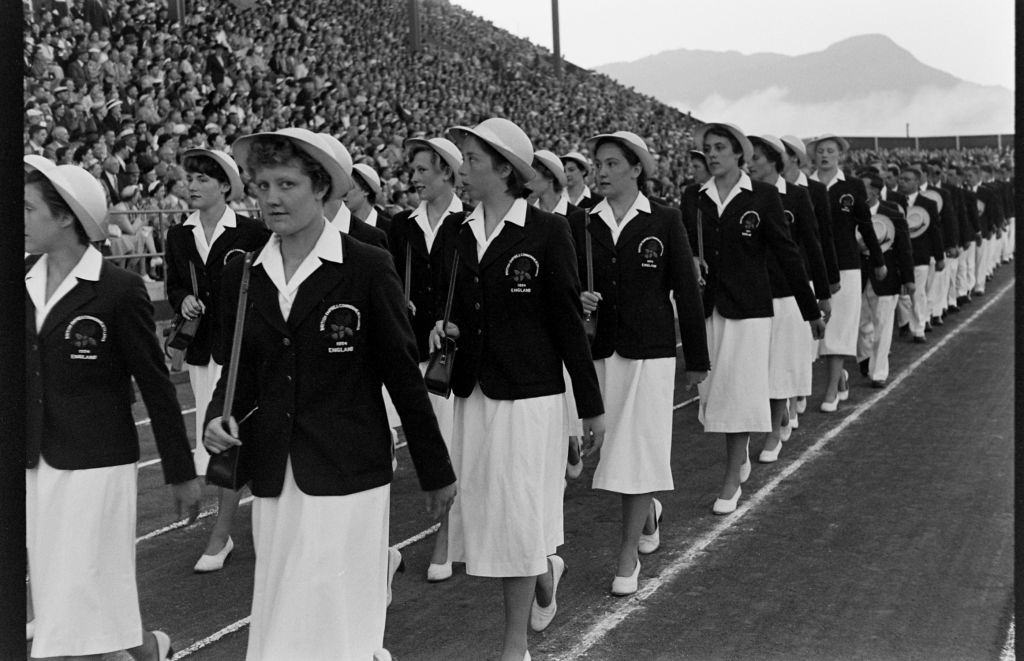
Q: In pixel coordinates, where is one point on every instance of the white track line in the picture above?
(605, 625)
(181, 524)
(212, 638)
(146, 421)
(1008, 653)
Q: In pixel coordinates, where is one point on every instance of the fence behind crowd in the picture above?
(996, 141)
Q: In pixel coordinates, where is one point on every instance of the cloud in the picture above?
(965, 109)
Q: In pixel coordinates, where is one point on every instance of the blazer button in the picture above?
(479, 331)
(476, 279)
(476, 306)
(613, 260)
(287, 342)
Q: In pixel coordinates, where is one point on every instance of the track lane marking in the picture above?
(1008, 653)
(636, 603)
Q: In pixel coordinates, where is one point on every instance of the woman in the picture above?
(209, 238)
(789, 371)
(517, 317)
(577, 167)
(742, 222)
(362, 197)
(641, 260)
(417, 246)
(325, 328)
(849, 213)
(89, 333)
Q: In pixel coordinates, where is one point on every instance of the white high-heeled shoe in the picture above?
(623, 586)
(845, 394)
(724, 506)
(541, 616)
(745, 468)
(829, 407)
(395, 564)
(215, 562)
(439, 572)
(650, 543)
(801, 405)
(164, 651)
(770, 456)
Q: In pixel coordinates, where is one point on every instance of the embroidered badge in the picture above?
(85, 334)
(523, 268)
(339, 324)
(229, 255)
(749, 222)
(789, 216)
(651, 249)
(846, 202)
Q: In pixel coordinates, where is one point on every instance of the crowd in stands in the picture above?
(121, 90)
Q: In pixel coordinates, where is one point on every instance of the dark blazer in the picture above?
(427, 288)
(519, 313)
(317, 378)
(383, 220)
(736, 248)
(637, 278)
(823, 212)
(970, 231)
(589, 201)
(895, 197)
(949, 218)
(360, 230)
(80, 367)
(930, 243)
(849, 207)
(803, 227)
(993, 217)
(899, 258)
(246, 236)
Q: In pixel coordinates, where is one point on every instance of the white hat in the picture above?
(130, 190)
(552, 163)
(934, 196)
(506, 138)
(578, 158)
(444, 148)
(918, 220)
(312, 145)
(37, 162)
(369, 177)
(84, 194)
(341, 155)
(771, 141)
(885, 232)
(630, 141)
(812, 145)
(227, 164)
(733, 130)
(798, 147)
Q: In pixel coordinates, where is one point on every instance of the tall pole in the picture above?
(557, 43)
(414, 25)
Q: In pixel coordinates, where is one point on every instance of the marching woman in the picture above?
(577, 167)
(849, 213)
(517, 318)
(338, 213)
(326, 326)
(640, 261)
(203, 245)
(740, 222)
(789, 371)
(362, 198)
(416, 246)
(89, 333)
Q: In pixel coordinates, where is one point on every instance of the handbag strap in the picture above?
(589, 250)
(195, 281)
(700, 237)
(451, 289)
(236, 341)
(408, 270)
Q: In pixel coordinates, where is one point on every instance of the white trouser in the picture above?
(914, 309)
(981, 267)
(965, 275)
(938, 281)
(953, 266)
(1008, 238)
(877, 315)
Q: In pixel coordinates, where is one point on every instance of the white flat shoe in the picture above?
(794, 420)
(786, 432)
(801, 405)
(164, 651)
(845, 394)
(829, 407)
(395, 564)
(439, 572)
(215, 562)
(650, 543)
(745, 468)
(769, 456)
(623, 586)
(723, 506)
(573, 471)
(382, 655)
(541, 616)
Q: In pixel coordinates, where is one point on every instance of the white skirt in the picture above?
(320, 584)
(789, 371)
(80, 535)
(444, 410)
(637, 451)
(204, 380)
(844, 324)
(573, 424)
(510, 457)
(734, 397)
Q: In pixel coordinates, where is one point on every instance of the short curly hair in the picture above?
(273, 151)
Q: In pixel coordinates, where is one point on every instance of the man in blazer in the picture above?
(880, 297)
(990, 218)
(970, 237)
(926, 246)
(938, 281)
(890, 191)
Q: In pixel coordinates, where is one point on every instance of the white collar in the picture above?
(874, 208)
(455, 206)
(371, 218)
(561, 206)
(227, 219)
(839, 177)
(342, 220)
(583, 194)
(801, 179)
(327, 247)
(516, 214)
(780, 184)
(87, 268)
(711, 190)
(603, 210)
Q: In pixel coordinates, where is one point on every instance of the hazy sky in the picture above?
(971, 40)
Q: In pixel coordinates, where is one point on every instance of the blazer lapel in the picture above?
(221, 245)
(510, 235)
(263, 295)
(314, 290)
(465, 243)
(600, 231)
(79, 295)
(633, 227)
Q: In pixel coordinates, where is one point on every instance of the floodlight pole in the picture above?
(557, 43)
(414, 25)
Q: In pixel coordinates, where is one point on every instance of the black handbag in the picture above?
(438, 377)
(232, 468)
(184, 330)
(589, 318)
